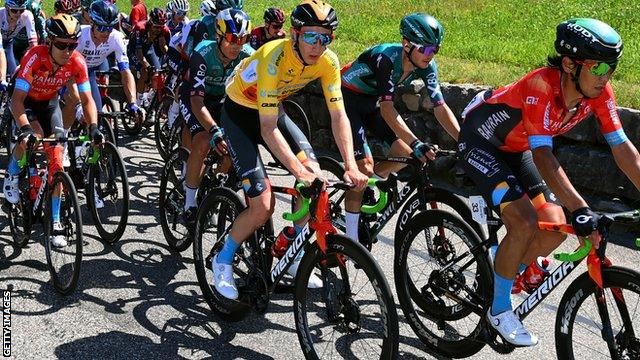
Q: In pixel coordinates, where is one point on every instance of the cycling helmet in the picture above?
(157, 17)
(232, 21)
(15, 4)
(208, 7)
(274, 15)
(63, 26)
(314, 13)
(179, 5)
(229, 4)
(103, 13)
(422, 29)
(584, 38)
(34, 6)
(65, 6)
(85, 4)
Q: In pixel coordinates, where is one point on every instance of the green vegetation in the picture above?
(491, 42)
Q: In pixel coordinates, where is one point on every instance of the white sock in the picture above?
(174, 111)
(189, 197)
(352, 224)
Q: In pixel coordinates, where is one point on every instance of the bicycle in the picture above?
(334, 313)
(444, 281)
(102, 173)
(419, 193)
(172, 195)
(34, 206)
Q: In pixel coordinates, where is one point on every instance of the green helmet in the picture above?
(34, 6)
(585, 38)
(422, 29)
(229, 4)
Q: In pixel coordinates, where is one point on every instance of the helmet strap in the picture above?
(297, 48)
(409, 55)
(219, 44)
(576, 80)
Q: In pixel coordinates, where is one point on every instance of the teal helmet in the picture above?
(584, 38)
(422, 29)
(229, 4)
(34, 6)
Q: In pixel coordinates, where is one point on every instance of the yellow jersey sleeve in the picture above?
(330, 80)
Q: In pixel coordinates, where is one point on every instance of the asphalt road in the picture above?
(136, 299)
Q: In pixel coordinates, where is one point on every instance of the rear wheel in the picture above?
(108, 194)
(297, 114)
(162, 130)
(64, 259)
(20, 219)
(171, 201)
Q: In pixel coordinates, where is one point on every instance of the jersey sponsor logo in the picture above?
(268, 105)
(272, 69)
(545, 288)
(335, 99)
(355, 73)
(531, 100)
(483, 161)
(613, 112)
(432, 85)
(546, 123)
(250, 74)
(493, 121)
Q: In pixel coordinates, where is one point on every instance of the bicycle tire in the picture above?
(299, 117)
(107, 130)
(433, 305)
(225, 205)
(439, 196)
(161, 130)
(171, 202)
(20, 218)
(131, 125)
(583, 288)
(340, 248)
(109, 168)
(109, 106)
(70, 216)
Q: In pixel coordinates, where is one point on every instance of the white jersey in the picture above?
(24, 22)
(175, 40)
(185, 32)
(95, 56)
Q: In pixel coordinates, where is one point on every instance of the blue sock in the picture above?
(521, 268)
(55, 209)
(225, 256)
(298, 230)
(501, 294)
(13, 168)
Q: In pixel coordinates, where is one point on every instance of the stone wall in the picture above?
(583, 152)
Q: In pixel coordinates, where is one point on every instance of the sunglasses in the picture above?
(17, 11)
(312, 38)
(597, 68)
(276, 26)
(103, 28)
(235, 39)
(64, 46)
(180, 13)
(426, 49)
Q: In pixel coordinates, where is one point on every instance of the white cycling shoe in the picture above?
(511, 328)
(314, 281)
(10, 188)
(98, 202)
(223, 279)
(57, 239)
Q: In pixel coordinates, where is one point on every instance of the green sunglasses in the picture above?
(598, 68)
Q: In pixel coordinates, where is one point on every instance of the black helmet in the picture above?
(63, 26)
(158, 17)
(314, 13)
(591, 39)
(274, 15)
(103, 13)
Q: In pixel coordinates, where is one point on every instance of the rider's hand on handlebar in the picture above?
(307, 177)
(95, 134)
(217, 140)
(423, 151)
(585, 222)
(357, 178)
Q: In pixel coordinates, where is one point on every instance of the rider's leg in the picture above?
(546, 241)
(398, 148)
(195, 167)
(353, 200)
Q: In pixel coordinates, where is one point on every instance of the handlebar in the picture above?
(33, 140)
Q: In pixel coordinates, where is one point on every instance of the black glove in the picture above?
(584, 221)
(419, 148)
(25, 131)
(95, 134)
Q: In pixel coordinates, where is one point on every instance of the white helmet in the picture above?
(179, 5)
(208, 7)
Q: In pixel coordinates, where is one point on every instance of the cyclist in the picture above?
(14, 18)
(138, 12)
(372, 79)
(35, 107)
(250, 116)
(272, 29)
(229, 4)
(210, 64)
(177, 13)
(96, 42)
(147, 45)
(83, 15)
(505, 146)
(22, 41)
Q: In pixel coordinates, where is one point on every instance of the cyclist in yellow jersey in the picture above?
(250, 115)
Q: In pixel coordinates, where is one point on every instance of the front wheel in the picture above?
(353, 315)
(108, 194)
(161, 128)
(65, 255)
(171, 201)
(579, 324)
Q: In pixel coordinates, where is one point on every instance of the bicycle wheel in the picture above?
(108, 181)
(353, 315)
(107, 130)
(64, 262)
(161, 129)
(171, 201)
(20, 218)
(132, 126)
(217, 213)
(579, 325)
(108, 107)
(437, 199)
(298, 116)
(427, 281)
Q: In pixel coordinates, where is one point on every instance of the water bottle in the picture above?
(286, 236)
(35, 181)
(533, 276)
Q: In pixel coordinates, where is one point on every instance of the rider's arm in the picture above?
(342, 134)
(128, 81)
(197, 74)
(3, 66)
(31, 29)
(129, 84)
(628, 161)
(81, 78)
(447, 120)
(17, 107)
(441, 110)
(556, 178)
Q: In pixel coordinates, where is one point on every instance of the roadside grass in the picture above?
(491, 42)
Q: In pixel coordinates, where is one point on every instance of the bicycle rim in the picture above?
(353, 315)
(172, 199)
